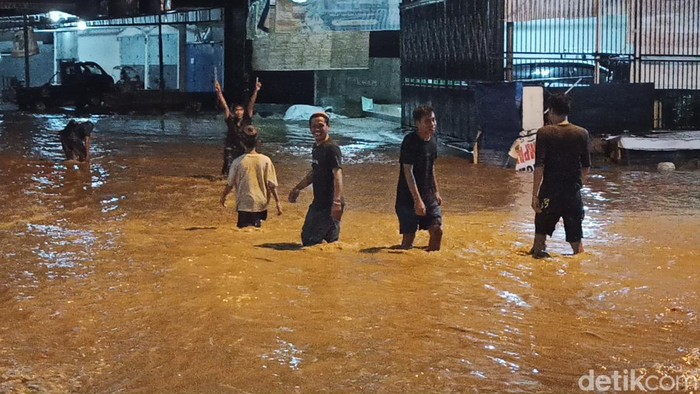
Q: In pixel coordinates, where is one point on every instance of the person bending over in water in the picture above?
(75, 140)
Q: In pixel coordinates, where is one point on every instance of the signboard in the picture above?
(523, 151)
(336, 15)
(18, 44)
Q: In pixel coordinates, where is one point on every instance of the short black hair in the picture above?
(559, 103)
(421, 111)
(250, 137)
(320, 115)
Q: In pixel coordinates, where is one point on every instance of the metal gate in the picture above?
(601, 41)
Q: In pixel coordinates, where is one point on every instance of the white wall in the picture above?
(101, 48)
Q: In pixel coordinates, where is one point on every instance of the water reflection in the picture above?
(63, 252)
(286, 354)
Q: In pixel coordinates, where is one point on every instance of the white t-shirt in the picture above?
(249, 175)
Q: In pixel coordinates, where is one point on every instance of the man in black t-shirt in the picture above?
(562, 162)
(323, 217)
(418, 202)
(236, 123)
(75, 140)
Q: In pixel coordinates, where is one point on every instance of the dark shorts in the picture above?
(569, 208)
(246, 219)
(409, 222)
(319, 226)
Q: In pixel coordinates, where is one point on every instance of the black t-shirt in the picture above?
(234, 136)
(422, 155)
(325, 158)
(563, 151)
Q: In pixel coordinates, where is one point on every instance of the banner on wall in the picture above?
(312, 51)
(336, 15)
(18, 44)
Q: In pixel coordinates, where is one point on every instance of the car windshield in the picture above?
(92, 69)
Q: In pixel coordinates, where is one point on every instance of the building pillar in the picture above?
(237, 53)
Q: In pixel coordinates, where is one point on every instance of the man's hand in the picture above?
(536, 204)
(293, 194)
(223, 201)
(279, 208)
(438, 198)
(217, 87)
(419, 207)
(258, 85)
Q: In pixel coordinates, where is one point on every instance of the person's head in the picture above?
(559, 106)
(424, 117)
(250, 137)
(320, 124)
(238, 111)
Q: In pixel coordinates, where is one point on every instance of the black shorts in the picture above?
(409, 222)
(319, 226)
(246, 219)
(569, 208)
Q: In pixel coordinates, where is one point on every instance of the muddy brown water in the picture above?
(130, 277)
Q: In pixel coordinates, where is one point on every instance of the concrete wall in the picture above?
(40, 66)
(343, 89)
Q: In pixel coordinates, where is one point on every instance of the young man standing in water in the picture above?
(255, 180)
(236, 123)
(323, 217)
(562, 163)
(418, 201)
(75, 140)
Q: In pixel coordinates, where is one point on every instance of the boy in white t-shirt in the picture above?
(253, 175)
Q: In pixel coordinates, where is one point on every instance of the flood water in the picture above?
(130, 277)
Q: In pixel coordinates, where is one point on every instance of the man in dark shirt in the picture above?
(417, 198)
(75, 140)
(236, 123)
(562, 162)
(323, 217)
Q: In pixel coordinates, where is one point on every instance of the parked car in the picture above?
(559, 74)
(128, 79)
(81, 84)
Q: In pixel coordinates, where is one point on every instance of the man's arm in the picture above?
(585, 159)
(306, 181)
(538, 174)
(435, 186)
(253, 98)
(337, 209)
(418, 203)
(273, 191)
(222, 100)
(227, 190)
(87, 149)
(537, 177)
